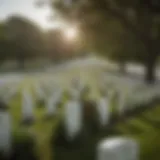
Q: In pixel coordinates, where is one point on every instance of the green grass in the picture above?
(146, 134)
(42, 130)
(140, 128)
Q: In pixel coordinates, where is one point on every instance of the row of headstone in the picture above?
(136, 96)
(146, 92)
(73, 109)
(113, 149)
(73, 116)
(142, 97)
(73, 113)
(125, 100)
(29, 103)
(73, 123)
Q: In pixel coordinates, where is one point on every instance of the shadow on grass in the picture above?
(85, 147)
(153, 123)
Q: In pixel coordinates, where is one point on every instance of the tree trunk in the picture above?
(150, 75)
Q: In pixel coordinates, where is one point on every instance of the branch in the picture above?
(105, 6)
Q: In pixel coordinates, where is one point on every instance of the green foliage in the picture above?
(3, 43)
(122, 30)
(20, 39)
(26, 37)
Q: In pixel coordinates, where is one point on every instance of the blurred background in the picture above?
(105, 52)
(35, 34)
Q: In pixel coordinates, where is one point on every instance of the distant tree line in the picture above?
(23, 40)
(121, 30)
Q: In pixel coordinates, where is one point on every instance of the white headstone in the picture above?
(58, 94)
(81, 86)
(51, 106)
(39, 92)
(73, 119)
(77, 84)
(75, 93)
(5, 132)
(122, 103)
(7, 97)
(103, 111)
(118, 149)
(27, 106)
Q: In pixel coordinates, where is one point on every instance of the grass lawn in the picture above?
(145, 130)
(143, 127)
(42, 130)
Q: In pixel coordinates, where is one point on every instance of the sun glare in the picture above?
(71, 33)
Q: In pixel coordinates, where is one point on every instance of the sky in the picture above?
(28, 9)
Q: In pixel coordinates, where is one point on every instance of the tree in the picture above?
(2, 56)
(4, 44)
(25, 39)
(141, 18)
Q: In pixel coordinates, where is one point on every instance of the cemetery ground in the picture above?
(42, 129)
(144, 127)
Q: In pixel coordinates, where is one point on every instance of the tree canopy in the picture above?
(21, 39)
(133, 27)
(25, 36)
